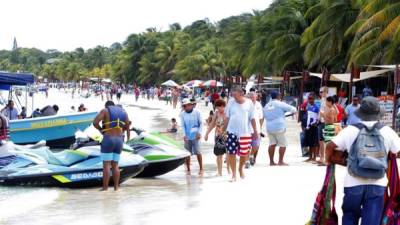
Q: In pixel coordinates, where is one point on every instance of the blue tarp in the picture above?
(16, 78)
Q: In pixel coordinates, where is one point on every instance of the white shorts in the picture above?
(277, 138)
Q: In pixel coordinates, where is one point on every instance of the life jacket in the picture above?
(4, 131)
(116, 120)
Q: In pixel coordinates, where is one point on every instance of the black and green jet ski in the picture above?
(162, 153)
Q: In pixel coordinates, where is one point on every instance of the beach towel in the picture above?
(391, 213)
(324, 212)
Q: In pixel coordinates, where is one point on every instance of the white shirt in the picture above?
(240, 116)
(258, 115)
(346, 138)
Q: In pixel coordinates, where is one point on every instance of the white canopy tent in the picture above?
(345, 77)
(276, 78)
(170, 83)
(383, 66)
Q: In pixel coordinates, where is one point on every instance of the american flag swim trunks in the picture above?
(240, 146)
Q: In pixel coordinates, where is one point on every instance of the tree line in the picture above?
(288, 35)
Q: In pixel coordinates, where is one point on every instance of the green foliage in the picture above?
(288, 35)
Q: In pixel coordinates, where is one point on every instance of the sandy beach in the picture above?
(268, 195)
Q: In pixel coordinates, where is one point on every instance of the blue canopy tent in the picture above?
(8, 79)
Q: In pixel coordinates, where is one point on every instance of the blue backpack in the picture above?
(368, 156)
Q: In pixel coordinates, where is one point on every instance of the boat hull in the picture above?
(71, 179)
(158, 168)
(57, 131)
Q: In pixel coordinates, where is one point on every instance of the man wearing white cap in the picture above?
(191, 125)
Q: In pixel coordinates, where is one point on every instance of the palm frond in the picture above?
(390, 29)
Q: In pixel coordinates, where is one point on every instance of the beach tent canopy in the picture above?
(170, 83)
(345, 77)
(383, 66)
(212, 83)
(96, 79)
(8, 79)
(276, 78)
(16, 78)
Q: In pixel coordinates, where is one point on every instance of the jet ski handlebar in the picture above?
(138, 131)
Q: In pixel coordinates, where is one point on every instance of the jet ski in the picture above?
(7, 149)
(162, 153)
(69, 168)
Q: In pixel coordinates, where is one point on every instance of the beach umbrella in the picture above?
(194, 83)
(170, 83)
(184, 87)
(212, 83)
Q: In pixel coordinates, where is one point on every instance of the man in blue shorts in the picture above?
(114, 122)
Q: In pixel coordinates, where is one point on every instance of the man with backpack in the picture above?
(367, 144)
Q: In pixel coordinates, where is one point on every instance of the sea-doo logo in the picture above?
(85, 176)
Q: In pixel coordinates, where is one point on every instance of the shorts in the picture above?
(193, 147)
(329, 132)
(111, 147)
(173, 130)
(277, 138)
(238, 145)
(321, 127)
(255, 142)
(311, 137)
(220, 145)
(119, 95)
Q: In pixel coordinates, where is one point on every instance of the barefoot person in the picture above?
(329, 113)
(218, 122)
(173, 128)
(240, 116)
(311, 130)
(259, 117)
(274, 113)
(115, 121)
(191, 126)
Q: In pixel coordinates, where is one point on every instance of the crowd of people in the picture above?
(328, 126)
(238, 123)
(11, 112)
(322, 117)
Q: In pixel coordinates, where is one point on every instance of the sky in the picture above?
(68, 24)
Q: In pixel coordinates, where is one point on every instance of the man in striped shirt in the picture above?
(240, 113)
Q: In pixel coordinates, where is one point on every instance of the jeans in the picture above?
(365, 201)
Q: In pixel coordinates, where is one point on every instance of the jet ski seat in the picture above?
(64, 158)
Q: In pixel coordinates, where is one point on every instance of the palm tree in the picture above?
(324, 40)
(376, 33)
